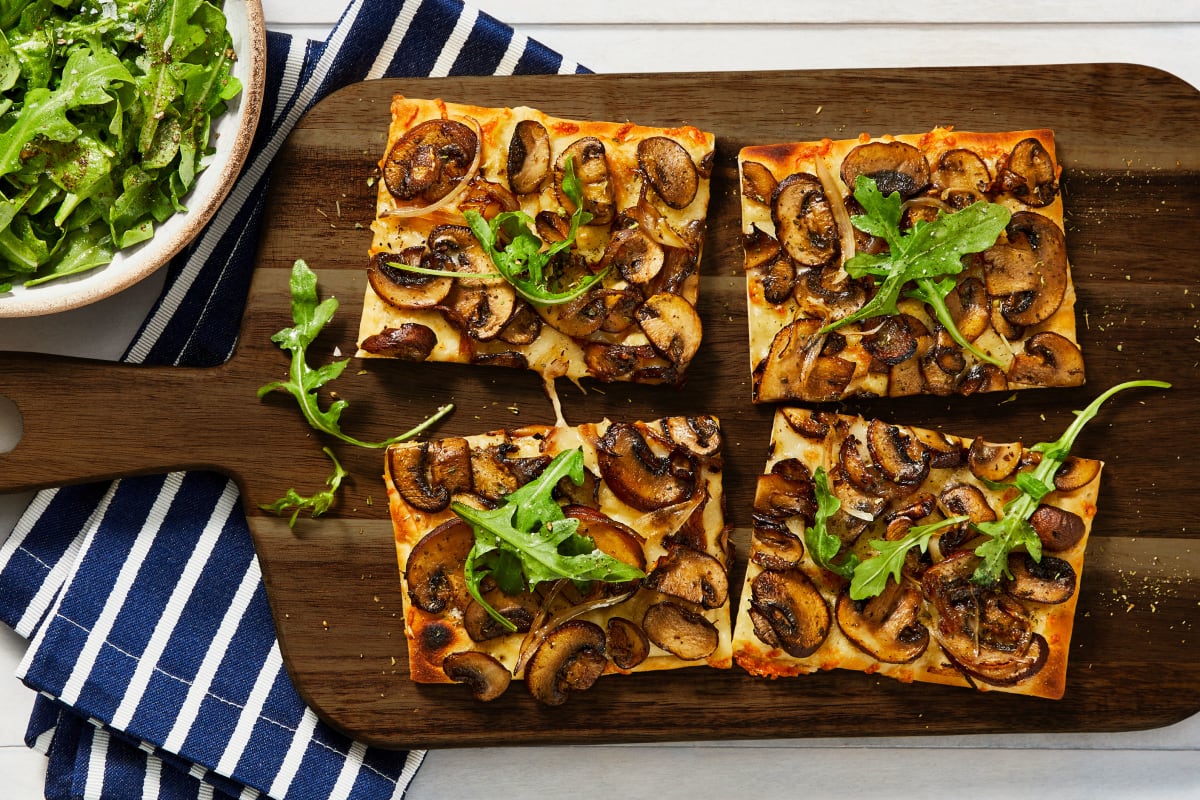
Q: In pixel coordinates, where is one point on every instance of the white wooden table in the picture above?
(686, 35)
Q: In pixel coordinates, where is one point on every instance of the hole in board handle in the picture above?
(12, 425)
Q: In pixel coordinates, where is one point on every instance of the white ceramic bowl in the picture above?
(234, 131)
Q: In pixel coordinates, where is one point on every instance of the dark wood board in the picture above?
(1129, 139)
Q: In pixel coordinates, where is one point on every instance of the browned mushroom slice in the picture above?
(486, 677)
(795, 612)
(578, 318)
(552, 227)
(1050, 581)
(431, 160)
(491, 476)
(896, 338)
(859, 469)
(760, 247)
(1075, 473)
(427, 474)
(775, 547)
(780, 497)
(962, 177)
(613, 538)
(691, 575)
(1030, 174)
(482, 304)
(591, 167)
(1028, 271)
(523, 327)
(809, 424)
(519, 609)
(486, 198)
(700, 434)
(640, 363)
(969, 308)
(1058, 528)
(982, 378)
(634, 255)
(984, 631)
(404, 288)
(669, 170)
(569, 659)
(898, 454)
(778, 280)
(994, 462)
(682, 633)
(434, 570)
(672, 326)
(895, 166)
(528, 156)
(887, 626)
(964, 499)
(409, 341)
(639, 477)
(1050, 359)
(627, 642)
(791, 370)
(454, 248)
(804, 221)
(943, 452)
(758, 183)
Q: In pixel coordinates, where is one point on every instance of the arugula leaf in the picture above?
(303, 381)
(822, 545)
(927, 254)
(106, 116)
(318, 503)
(871, 576)
(528, 540)
(1013, 530)
(522, 262)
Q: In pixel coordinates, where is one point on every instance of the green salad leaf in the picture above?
(822, 545)
(528, 540)
(317, 504)
(1013, 530)
(303, 381)
(104, 126)
(928, 255)
(871, 576)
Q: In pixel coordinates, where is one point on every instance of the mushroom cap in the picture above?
(691, 575)
(887, 626)
(681, 632)
(588, 158)
(994, 461)
(528, 157)
(627, 643)
(1050, 580)
(669, 170)
(758, 183)
(428, 473)
(409, 341)
(486, 677)
(1075, 473)
(1030, 174)
(962, 177)
(804, 221)
(433, 571)
(403, 288)
(895, 167)
(672, 326)
(638, 476)
(1029, 271)
(429, 161)
(790, 606)
(1058, 528)
(569, 659)
(1049, 359)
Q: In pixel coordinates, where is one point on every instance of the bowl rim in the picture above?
(156, 252)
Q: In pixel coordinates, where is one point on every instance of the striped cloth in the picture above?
(152, 646)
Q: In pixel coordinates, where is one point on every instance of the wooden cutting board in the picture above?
(1129, 138)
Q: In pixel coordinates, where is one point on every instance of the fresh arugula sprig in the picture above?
(929, 255)
(871, 576)
(528, 540)
(1013, 529)
(822, 545)
(522, 261)
(303, 381)
(317, 503)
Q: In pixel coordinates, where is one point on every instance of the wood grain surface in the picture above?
(1129, 140)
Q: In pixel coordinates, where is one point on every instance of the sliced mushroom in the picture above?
(791, 371)
(896, 338)
(700, 434)
(569, 659)
(809, 424)
(1058, 528)
(1030, 174)
(672, 326)
(405, 288)
(519, 609)
(1050, 359)
(1029, 271)
(982, 378)
(621, 305)
(486, 677)
(578, 318)
(434, 569)
(964, 499)
(634, 255)
(678, 274)
(897, 453)
(1050, 581)
(683, 633)
(486, 198)
(627, 642)
(793, 610)
(431, 160)
(962, 177)
(773, 546)
(640, 363)
(552, 227)
(994, 462)
(943, 452)
(523, 327)
(758, 183)
(612, 538)
(427, 474)
(895, 166)
(591, 167)
(691, 575)
(860, 470)
(639, 477)
(804, 221)
(528, 157)
(886, 627)
(669, 170)
(410, 341)
(779, 497)
(1075, 473)
(969, 308)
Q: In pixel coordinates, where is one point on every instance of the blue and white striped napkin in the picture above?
(152, 646)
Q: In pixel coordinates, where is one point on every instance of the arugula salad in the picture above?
(104, 125)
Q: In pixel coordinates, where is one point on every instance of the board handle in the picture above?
(82, 420)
